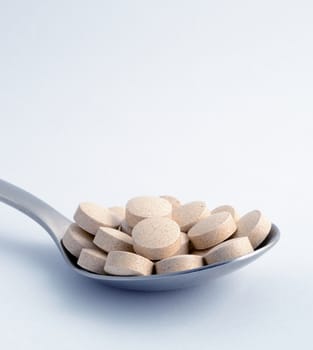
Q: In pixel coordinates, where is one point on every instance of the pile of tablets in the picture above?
(160, 235)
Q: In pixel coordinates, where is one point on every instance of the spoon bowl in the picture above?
(56, 224)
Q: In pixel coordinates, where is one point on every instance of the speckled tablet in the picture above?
(127, 264)
(228, 250)
(140, 208)
(91, 216)
(178, 263)
(75, 239)
(156, 238)
(92, 260)
(255, 226)
(212, 230)
(109, 239)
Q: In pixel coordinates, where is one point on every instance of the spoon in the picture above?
(56, 224)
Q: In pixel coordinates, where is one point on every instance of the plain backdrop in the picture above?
(105, 100)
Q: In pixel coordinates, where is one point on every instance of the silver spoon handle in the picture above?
(51, 220)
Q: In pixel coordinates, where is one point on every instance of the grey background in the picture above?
(104, 100)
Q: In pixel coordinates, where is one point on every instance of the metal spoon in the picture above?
(56, 224)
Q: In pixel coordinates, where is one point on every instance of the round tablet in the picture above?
(156, 238)
(255, 226)
(119, 212)
(140, 208)
(127, 264)
(189, 214)
(184, 244)
(212, 230)
(228, 250)
(92, 260)
(90, 216)
(124, 227)
(178, 263)
(173, 200)
(229, 209)
(111, 239)
(75, 239)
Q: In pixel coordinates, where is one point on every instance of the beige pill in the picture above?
(111, 239)
(184, 244)
(173, 200)
(189, 214)
(140, 208)
(75, 239)
(229, 209)
(178, 263)
(228, 250)
(119, 212)
(90, 216)
(212, 230)
(92, 260)
(127, 264)
(156, 238)
(124, 227)
(255, 226)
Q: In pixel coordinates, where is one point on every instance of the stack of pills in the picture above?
(160, 235)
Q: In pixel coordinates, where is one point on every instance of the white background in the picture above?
(104, 100)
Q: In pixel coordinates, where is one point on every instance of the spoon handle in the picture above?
(51, 220)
